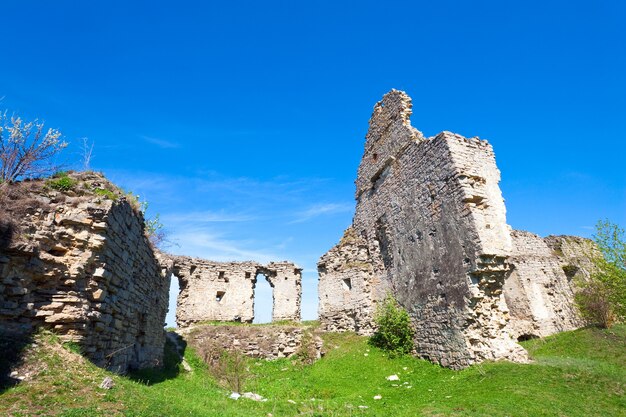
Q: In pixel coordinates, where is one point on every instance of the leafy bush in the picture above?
(61, 182)
(602, 298)
(395, 333)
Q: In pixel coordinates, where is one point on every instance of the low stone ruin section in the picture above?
(224, 291)
(346, 280)
(83, 267)
(263, 342)
(429, 228)
(538, 291)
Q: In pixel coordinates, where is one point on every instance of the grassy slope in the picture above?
(580, 373)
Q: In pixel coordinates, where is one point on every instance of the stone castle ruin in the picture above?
(80, 263)
(82, 266)
(224, 291)
(430, 229)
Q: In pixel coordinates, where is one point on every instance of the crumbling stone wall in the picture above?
(265, 342)
(575, 255)
(346, 284)
(431, 217)
(538, 292)
(82, 266)
(430, 229)
(224, 291)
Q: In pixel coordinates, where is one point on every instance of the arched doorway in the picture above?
(263, 299)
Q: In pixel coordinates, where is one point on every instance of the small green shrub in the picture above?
(154, 229)
(230, 368)
(61, 181)
(395, 333)
(602, 298)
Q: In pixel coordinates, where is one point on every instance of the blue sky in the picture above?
(242, 123)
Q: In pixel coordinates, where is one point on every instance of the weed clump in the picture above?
(230, 368)
(106, 193)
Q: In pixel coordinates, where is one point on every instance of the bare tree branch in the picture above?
(87, 151)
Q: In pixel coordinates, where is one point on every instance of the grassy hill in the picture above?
(580, 373)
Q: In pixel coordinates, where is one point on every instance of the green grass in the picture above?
(106, 193)
(61, 181)
(580, 373)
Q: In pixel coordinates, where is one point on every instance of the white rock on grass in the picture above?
(393, 378)
(107, 383)
(254, 397)
(234, 396)
(378, 397)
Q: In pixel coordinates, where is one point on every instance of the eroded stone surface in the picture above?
(541, 286)
(430, 228)
(537, 291)
(82, 266)
(575, 255)
(265, 342)
(224, 291)
(346, 282)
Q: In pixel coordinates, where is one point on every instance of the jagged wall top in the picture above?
(390, 130)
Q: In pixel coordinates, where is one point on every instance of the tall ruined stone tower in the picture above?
(430, 228)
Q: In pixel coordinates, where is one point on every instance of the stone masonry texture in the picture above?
(430, 229)
(81, 265)
(224, 291)
(539, 291)
(266, 341)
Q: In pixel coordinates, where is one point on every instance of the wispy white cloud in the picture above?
(161, 143)
(322, 210)
(199, 217)
(213, 246)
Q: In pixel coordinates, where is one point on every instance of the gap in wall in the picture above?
(263, 301)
